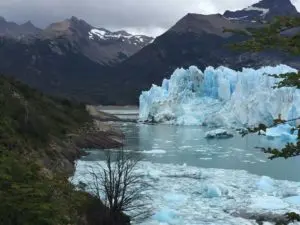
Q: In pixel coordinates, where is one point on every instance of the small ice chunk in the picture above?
(268, 203)
(155, 151)
(155, 174)
(218, 133)
(166, 216)
(262, 132)
(265, 184)
(205, 158)
(295, 200)
(175, 197)
(267, 223)
(212, 191)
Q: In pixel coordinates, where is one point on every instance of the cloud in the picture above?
(139, 16)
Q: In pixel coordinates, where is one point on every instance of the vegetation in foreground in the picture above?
(119, 185)
(34, 189)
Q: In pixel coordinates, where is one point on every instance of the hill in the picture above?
(40, 138)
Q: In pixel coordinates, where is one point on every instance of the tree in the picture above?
(117, 183)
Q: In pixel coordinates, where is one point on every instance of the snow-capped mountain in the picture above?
(105, 35)
(69, 58)
(98, 44)
(263, 11)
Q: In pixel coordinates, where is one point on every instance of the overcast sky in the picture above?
(150, 17)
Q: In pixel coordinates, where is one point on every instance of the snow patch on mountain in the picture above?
(99, 33)
(252, 8)
(221, 97)
(237, 18)
(105, 35)
(123, 36)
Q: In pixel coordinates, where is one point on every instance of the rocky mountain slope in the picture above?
(198, 40)
(97, 44)
(263, 11)
(66, 58)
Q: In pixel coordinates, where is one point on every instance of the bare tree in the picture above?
(117, 183)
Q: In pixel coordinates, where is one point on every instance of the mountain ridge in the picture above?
(14, 30)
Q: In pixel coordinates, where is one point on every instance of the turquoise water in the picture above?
(186, 145)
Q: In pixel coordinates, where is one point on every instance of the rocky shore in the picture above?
(98, 135)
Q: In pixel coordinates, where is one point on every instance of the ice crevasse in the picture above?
(221, 97)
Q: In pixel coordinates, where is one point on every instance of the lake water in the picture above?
(187, 145)
(234, 171)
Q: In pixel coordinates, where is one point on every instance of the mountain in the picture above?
(67, 57)
(98, 44)
(196, 40)
(76, 60)
(263, 10)
(12, 29)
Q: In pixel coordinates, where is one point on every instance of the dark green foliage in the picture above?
(288, 80)
(293, 217)
(29, 197)
(290, 150)
(30, 194)
(29, 119)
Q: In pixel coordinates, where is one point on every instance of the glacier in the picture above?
(221, 97)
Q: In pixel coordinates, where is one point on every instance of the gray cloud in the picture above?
(138, 16)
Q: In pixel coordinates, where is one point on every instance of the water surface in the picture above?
(186, 145)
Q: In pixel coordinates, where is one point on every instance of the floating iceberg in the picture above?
(221, 97)
(218, 133)
(212, 191)
(283, 131)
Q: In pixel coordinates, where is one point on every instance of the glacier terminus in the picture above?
(221, 97)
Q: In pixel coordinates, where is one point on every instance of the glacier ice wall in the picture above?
(221, 97)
